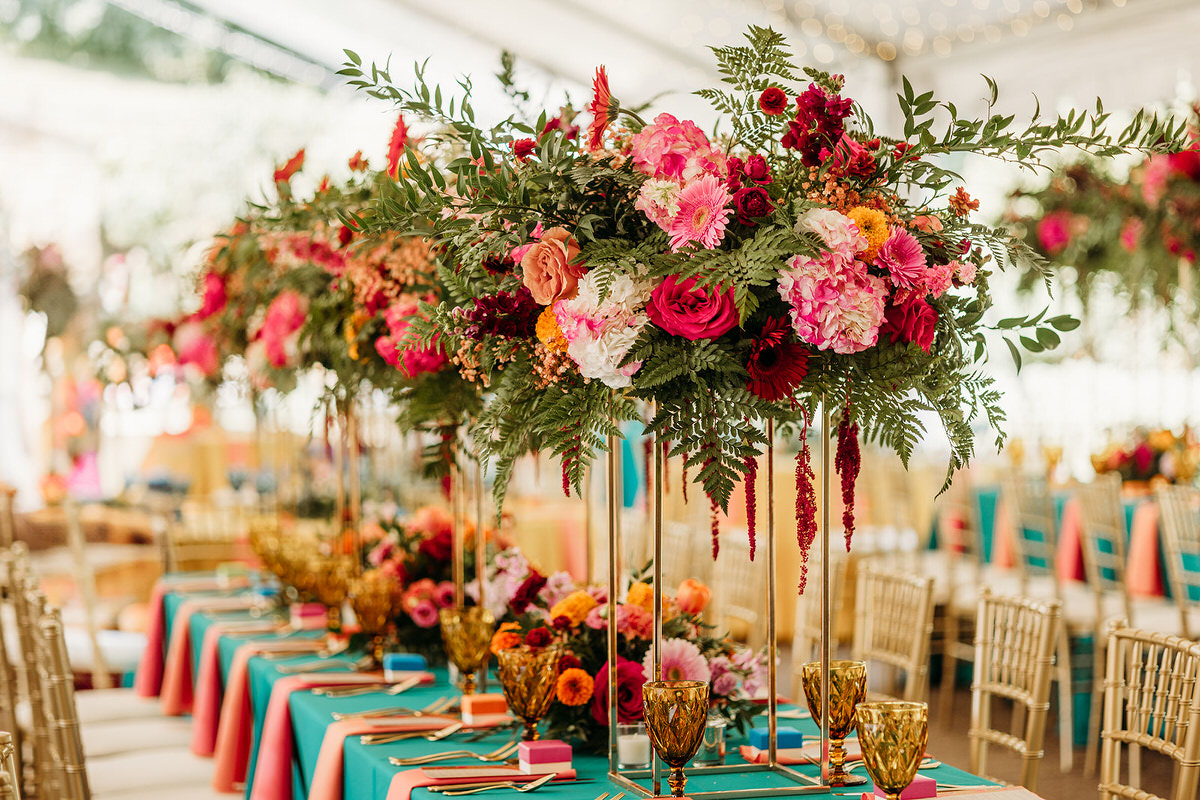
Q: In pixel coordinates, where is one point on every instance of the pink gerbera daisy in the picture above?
(901, 255)
(681, 661)
(601, 100)
(702, 213)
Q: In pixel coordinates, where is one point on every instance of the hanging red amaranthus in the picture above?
(647, 452)
(684, 482)
(847, 462)
(751, 478)
(714, 511)
(806, 504)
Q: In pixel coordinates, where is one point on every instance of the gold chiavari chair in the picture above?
(9, 770)
(740, 588)
(38, 780)
(204, 536)
(1179, 507)
(1151, 701)
(1015, 640)
(893, 623)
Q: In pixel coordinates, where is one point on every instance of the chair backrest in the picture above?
(1014, 659)
(204, 535)
(1151, 700)
(85, 579)
(958, 523)
(806, 632)
(679, 545)
(1181, 546)
(9, 770)
(1035, 525)
(66, 768)
(27, 608)
(1103, 533)
(741, 586)
(893, 623)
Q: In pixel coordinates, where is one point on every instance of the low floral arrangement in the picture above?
(641, 269)
(1152, 457)
(551, 611)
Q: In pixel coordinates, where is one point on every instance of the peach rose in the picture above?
(692, 596)
(547, 269)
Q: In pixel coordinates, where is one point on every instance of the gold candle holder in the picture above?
(892, 735)
(676, 713)
(373, 598)
(847, 688)
(528, 676)
(466, 634)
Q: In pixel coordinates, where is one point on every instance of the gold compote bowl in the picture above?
(676, 713)
(847, 688)
(528, 676)
(466, 634)
(892, 735)
(373, 598)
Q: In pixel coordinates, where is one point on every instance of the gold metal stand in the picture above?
(633, 781)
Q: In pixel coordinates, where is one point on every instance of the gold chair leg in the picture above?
(949, 667)
(1091, 758)
(1065, 716)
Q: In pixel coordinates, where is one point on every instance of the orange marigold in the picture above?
(508, 636)
(574, 607)
(574, 687)
(548, 332)
(642, 596)
(872, 224)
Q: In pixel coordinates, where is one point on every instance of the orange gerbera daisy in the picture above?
(872, 224)
(508, 636)
(599, 107)
(549, 333)
(574, 687)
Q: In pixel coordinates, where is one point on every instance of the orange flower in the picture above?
(358, 163)
(642, 596)
(872, 224)
(549, 333)
(575, 607)
(574, 687)
(961, 203)
(692, 596)
(396, 147)
(599, 107)
(508, 636)
(294, 164)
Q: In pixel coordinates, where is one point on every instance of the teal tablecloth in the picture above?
(367, 771)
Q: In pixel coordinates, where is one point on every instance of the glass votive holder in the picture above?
(712, 746)
(633, 746)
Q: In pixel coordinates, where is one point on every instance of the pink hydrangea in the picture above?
(669, 148)
(939, 278)
(837, 231)
(634, 621)
(414, 360)
(903, 259)
(835, 304)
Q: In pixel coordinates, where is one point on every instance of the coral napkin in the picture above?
(206, 710)
(273, 770)
(177, 685)
(148, 680)
(235, 725)
(404, 782)
(327, 781)
(811, 754)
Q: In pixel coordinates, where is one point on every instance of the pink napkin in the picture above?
(404, 782)
(811, 754)
(177, 672)
(235, 725)
(206, 710)
(1143, 571)
(327, 781)
(1070, 547)
(1003, 537)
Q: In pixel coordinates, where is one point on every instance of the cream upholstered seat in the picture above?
(1015, 639)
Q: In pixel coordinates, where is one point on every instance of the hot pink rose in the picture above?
(914, 320)
(214, 295)
(412, 361)
(630, 677)
(194, 346)
(549, 271)
(682, 308)
(1054, 231)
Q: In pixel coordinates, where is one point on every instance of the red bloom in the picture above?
(630, 678)
(396, 147)
(737, 169)
(818, 125)
(561, 623)
(914, 320)
(599, 108)
(806, 504)
(539, 637)
(851, 157)
(215, 297)
(757, 170)
(1054, 232)
(773, 101)
(570, 132)
(357, 163)
(776, 366)
(898, 152)
(437, 547)
(847, 462)
(294, 164)
(345, 234)
(752, 202)
(682, 308)
(527, 591)
(523, 148)
(569, 661)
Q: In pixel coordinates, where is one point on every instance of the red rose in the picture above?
(911, 321)
(569, 661)
(898, 152)
(437, 547)
(752, 202)
(757, 170)
(773, 101)
(630, 678)
(561, 623)
(736, 168)
(539, 637)
(523, 148)
(527, 591)
(681, 308)
(345, 234)
(215, 297)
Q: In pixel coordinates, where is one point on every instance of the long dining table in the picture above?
(366, 771)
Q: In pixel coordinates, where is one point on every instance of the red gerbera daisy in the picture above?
(776, 366)
(601, 100)
(396, 147)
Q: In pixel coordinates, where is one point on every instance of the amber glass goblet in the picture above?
(466, 634)
(330, 584)
(892, 735)
(847, 688)
(373, 598)
(676, 713)
(529, 676)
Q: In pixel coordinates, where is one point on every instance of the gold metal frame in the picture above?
(631, 780)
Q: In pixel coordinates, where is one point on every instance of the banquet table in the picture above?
(367, 774)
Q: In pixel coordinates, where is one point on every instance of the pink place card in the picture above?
(547, 755)
(922, 786)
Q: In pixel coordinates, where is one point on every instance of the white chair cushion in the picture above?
(105, 705)
(122, 650)
(1161, 616)
(134, 735)
(168, 768)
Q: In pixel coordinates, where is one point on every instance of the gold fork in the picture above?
(499, 754)
(520, 787)
(388, 738)
(325, 666)
(381, 688)
(436, 707)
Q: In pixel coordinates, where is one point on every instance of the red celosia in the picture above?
(599, 107)
(806, 504)
(293, 165)
(750, 478)
(396, 147)
(847, 462)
